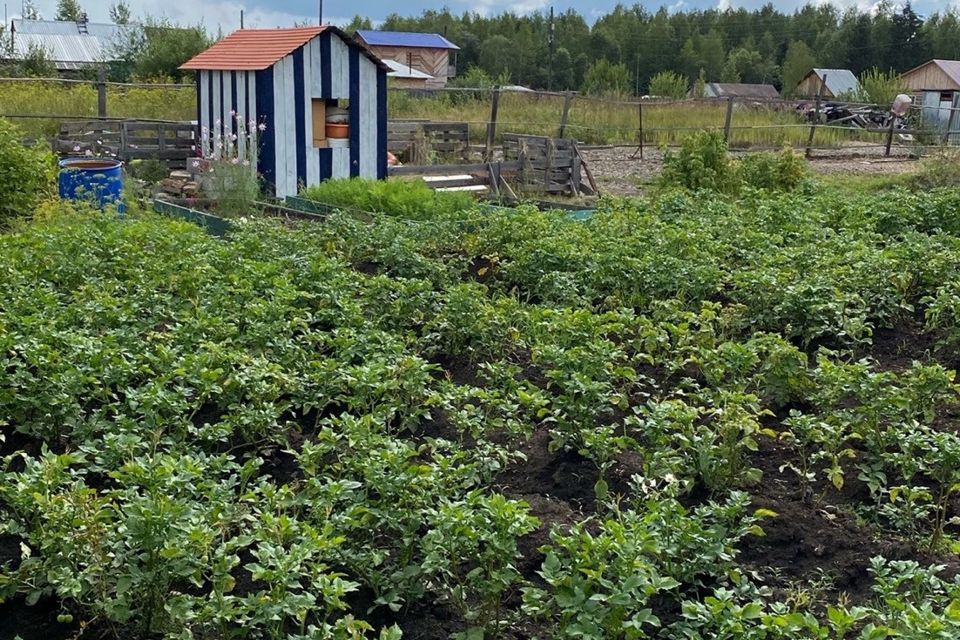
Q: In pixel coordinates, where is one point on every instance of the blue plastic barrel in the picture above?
(95, 180)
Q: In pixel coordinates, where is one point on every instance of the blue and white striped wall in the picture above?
(280, 97)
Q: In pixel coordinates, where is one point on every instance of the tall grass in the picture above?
(591, 120)
(30, 98)
(602, 121)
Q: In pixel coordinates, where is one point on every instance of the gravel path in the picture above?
(618, 172)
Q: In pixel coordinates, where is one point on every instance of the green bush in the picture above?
(26, 174)
(784, 171)
(701, 163)
(603, 78)
(669, 85)
(402, 199)
(880, 88)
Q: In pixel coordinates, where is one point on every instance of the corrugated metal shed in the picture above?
(740, 90)
(405, 39)
(839, 81)
(399, 70)
(67, 44)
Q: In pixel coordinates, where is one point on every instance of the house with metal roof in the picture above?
(936, 84)
(319, 96)
(836, 83)
(71, 46)
(429, 53)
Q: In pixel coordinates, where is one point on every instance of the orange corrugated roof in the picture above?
(252, 49)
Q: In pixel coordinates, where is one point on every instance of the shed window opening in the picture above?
(331, 122)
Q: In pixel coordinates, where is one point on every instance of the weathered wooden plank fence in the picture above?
(416, 139)
(169, 142)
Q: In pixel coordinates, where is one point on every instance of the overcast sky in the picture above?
(226, 13)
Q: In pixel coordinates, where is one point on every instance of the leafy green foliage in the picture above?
(26, 174)
(701, 163)
(540, 426)
(669, 85)
(604, 78)
(785, 171)
(404, 199)
(880, 87)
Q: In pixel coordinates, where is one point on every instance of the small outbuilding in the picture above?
(288, 81)
(71, 46)
(402, 76)
(742, 90)
(936, 84)
(839, 83)
(428, 53)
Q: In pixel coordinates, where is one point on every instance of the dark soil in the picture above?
(897, 349)
(811, 540)
(38, 622)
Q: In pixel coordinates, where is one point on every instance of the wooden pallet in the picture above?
(169, 142)
(411, 138)
(549, 165)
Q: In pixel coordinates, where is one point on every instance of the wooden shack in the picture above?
(936, 86)
(287, 80)
(837, 83)
(428, 53)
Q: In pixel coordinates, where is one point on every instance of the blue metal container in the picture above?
(95, 180)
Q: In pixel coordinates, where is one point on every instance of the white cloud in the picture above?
(519, 7)
(723, 5)
(214, 14)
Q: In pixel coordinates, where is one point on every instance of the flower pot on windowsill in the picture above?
(337, 130)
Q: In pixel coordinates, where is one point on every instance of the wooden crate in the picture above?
(548, 165)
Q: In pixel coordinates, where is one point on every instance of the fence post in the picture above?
(102, 92)
(893, 121)
(640, 113)
(729, 121)
(816, 119)
(492, 125)
(564, 117)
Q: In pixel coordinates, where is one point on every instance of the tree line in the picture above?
(630, 50)
(626, 48)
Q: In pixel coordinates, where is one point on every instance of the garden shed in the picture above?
(290, 81)
(936, 84)
(836, 83)
(740, 90)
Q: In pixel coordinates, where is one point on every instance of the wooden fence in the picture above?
(169, 142)
(416, 140)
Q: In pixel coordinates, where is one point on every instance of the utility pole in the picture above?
(320, 12)
(550, 42)
(241, 18)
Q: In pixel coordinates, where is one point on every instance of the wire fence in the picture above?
(41, 104)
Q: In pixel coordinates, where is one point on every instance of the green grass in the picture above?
(80, 101)
(593, 121)
(602, 121)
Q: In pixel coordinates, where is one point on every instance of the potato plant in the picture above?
(491, 424)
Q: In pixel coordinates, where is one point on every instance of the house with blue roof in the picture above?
(427, 53)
